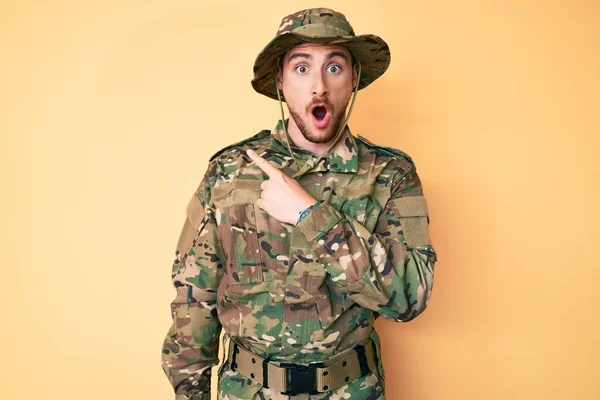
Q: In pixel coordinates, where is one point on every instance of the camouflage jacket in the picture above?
(298, 293)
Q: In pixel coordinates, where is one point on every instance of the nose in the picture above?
(319, 87)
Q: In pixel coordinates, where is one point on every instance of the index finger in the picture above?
(262, 163)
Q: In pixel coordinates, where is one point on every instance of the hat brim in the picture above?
(371, 50)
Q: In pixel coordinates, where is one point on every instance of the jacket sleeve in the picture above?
(190, 348)
(389, 271)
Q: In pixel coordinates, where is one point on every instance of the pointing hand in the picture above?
(282, 197)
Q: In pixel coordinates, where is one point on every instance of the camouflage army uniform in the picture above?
(298, 293)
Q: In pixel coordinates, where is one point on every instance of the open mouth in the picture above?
(319, 112)
(321, 115)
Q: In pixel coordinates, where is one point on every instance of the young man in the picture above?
(296, 241)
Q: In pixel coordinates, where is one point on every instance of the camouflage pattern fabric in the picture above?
(297, 293)
(325, 26)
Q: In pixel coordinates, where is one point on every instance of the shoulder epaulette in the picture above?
(390, 151)
(259, 135)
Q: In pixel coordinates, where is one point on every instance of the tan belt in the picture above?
(313, 378)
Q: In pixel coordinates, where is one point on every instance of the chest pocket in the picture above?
(239, 239)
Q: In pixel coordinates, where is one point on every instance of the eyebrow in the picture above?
(308, 56)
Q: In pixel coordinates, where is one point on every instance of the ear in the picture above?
(279, 79)
(354, 78)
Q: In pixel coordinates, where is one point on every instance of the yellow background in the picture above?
(109, 111)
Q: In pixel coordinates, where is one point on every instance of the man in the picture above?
(296, 241)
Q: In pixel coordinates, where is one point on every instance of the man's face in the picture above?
(317, 82)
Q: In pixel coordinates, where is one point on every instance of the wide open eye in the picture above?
(302, 69)
(334, 68)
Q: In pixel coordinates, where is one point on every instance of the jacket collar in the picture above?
(343, 157)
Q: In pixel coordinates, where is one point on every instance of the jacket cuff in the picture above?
(320, 221)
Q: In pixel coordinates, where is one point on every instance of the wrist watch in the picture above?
(304, 214)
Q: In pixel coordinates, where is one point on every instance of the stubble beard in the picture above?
(336, 122)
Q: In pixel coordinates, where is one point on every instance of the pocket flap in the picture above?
(411, 206)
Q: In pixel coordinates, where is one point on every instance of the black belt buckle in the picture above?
(301, 378)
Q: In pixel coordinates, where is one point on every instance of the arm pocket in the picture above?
(194, 216)
(414, 219)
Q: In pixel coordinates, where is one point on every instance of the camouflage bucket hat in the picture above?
(324, 26)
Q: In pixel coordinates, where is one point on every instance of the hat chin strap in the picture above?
(307, 166)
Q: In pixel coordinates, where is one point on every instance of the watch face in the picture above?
(303, 214)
